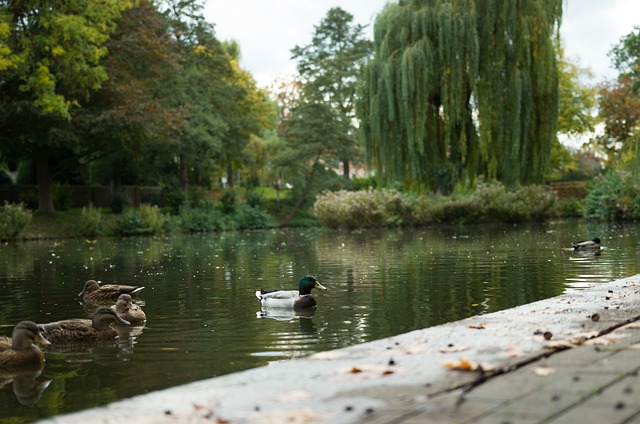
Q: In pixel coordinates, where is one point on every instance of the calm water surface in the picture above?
(204, 321)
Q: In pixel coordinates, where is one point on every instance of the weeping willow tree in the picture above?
(458, 88)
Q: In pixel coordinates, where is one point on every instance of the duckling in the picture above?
(587, 245)
(291, 298)
(97, 328)
(93, 291)
(19, 350)
(127, 310)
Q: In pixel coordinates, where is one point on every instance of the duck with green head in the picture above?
(296, 299)
(96, 328)
(588, 245)
(20, 350)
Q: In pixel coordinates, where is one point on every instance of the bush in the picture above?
(361, 209)
(570, 207)
(130, 223)
(254, 198)
(153, 218)
(388, 208)
(90, 221)
(248, 217)
(173, 198)
(14, 218)
(613, 196)
(201, 219)
(228, 201)
(61, 196)
(118, 203)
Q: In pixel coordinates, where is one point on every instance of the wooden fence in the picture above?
(99, 196)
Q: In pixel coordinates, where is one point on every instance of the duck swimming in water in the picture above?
(295, 299)
(94, 291)
(97, 328)
(129, 311)
(19, 350)
(588, 245)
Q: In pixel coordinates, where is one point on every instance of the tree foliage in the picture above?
(460, 87)
(51, 50)
(619, 106)
(328, 69)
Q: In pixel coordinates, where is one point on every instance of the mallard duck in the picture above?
(291, 298)
(93, 291)
(587, 245)
(96, 328)
(129, 311)
(19, 350)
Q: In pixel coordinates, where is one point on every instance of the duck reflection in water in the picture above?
(25, 386)
(305, 316)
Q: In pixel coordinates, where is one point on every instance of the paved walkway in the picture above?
(574, 358)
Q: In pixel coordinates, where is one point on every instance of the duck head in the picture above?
(307, 283)
(25, 333)
(89, 286)
(104, 316)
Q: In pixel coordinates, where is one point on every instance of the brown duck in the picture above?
(97, 328)
(19, 350)
(94, 291)
(129, 311)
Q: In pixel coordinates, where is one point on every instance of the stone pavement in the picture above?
(574, 358)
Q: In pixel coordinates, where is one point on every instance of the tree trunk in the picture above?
(303, 195)
(345, 169)
(184, 174)
(45, 184)
(230, 176)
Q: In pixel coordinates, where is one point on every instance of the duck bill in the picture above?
(319, 286)
(40, 339)
(81, 293)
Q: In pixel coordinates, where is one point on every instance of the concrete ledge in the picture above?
(399, 379)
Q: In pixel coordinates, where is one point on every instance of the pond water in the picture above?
(204, 320)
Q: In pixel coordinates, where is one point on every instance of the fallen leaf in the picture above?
(462, 364)
(480, 326)
(355, 370)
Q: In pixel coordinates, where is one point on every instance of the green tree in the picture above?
(126, 125)
(329, 67)
(619, 106)
(312, 142)
(626, 57)
(459, 87)
(50, 61)
(577, 98)
(577, 115)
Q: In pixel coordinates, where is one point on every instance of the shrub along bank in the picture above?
(387, 208)
(611, 196)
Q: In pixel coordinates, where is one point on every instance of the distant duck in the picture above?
(94, 291)
(19, 350)
(129, 311)
(588, 245)
(296, 299)
(97, 328)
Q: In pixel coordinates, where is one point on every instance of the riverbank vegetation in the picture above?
(144, 94)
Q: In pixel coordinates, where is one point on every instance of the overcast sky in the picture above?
(268, 29)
